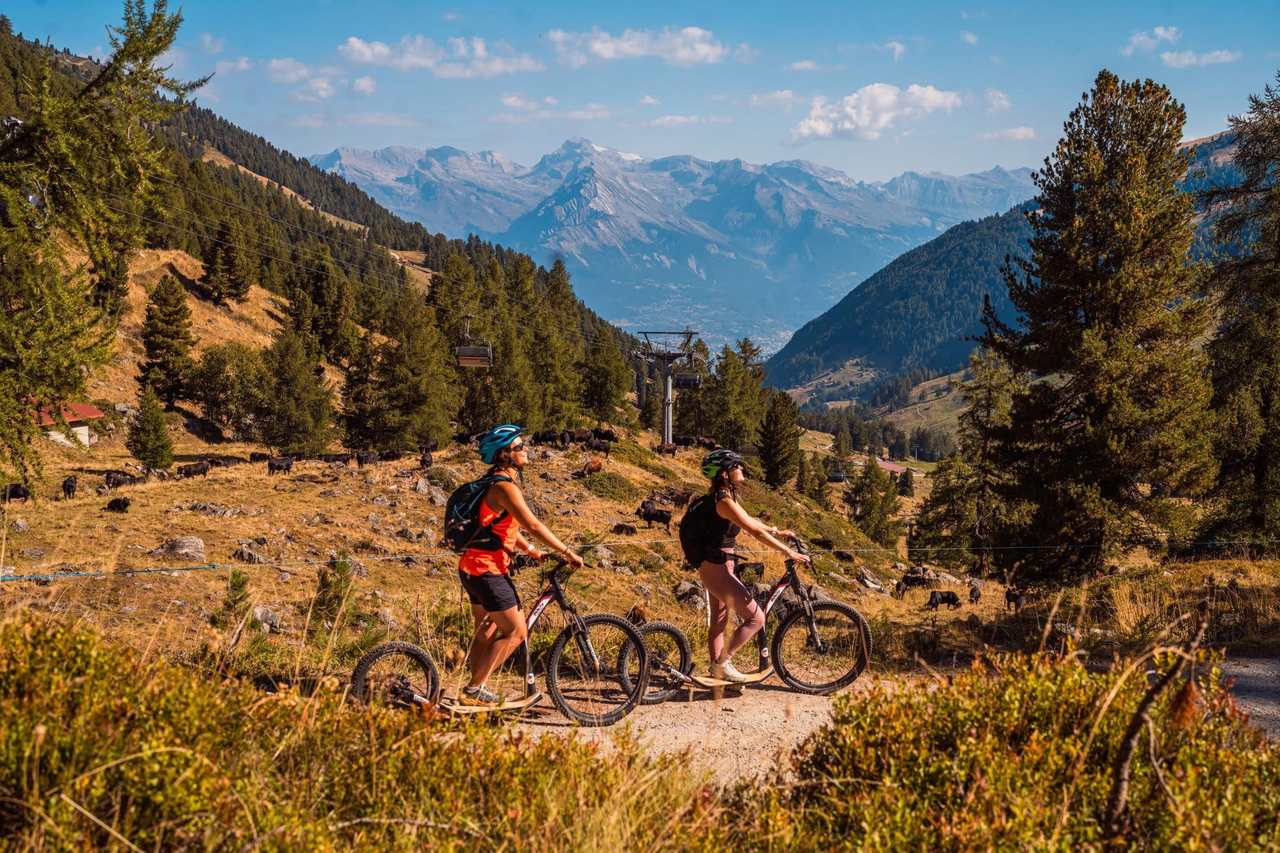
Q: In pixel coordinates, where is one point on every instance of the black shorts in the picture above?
(491, 591)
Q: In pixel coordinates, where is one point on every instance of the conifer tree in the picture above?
(413, 385)
(555, 348)
(907, 484)
(651, 411)
(229, 383)
(843, 444)
(360, 404)
(802, 473)
(148, 439)
(1245, 353)
(167, 341)
(227, 266)
(873, 501)
(779, 440)
(947, 524)
(606, 376)
(818, 488)
(1118, 420)
(295, 416)
(693, 407)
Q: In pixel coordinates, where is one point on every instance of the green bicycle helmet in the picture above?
(719, 460)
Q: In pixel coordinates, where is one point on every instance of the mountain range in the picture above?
(728, 247)
(923, 309)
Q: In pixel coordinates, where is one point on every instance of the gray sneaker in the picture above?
(480, 696)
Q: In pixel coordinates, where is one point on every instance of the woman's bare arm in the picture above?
(728, 509)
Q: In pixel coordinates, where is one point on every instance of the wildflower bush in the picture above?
(97, 747)
(1018, 753)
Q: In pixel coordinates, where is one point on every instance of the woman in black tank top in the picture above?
(725, 591)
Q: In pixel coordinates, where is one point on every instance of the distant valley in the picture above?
(732, 248)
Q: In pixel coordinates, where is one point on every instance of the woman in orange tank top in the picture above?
(484, 566)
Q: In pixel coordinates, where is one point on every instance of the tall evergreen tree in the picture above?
(296, 412)
(229, 383)
(947, 527)
(1118, 420)
(873, 501)
(555, 348)
(1245, 353)
(736, 395)
(167, 341)
(843, 444)
(413, 383)
(148, 439)
(606, 376)
(779, 440)
(907, 484)
(802, 473)
(694, 413)
(360, 403)
(91, 154)
(818, 488)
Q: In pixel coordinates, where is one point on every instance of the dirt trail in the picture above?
(1257, 690)
(735, 737)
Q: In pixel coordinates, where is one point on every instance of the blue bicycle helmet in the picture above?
(497, 438)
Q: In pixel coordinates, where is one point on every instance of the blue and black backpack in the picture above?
(462, 527)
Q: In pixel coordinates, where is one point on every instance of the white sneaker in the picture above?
(731, 673)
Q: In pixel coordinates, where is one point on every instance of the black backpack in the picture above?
(695, 529)
(462, 527)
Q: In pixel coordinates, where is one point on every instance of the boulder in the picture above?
(268, 617)
(20, 525)
(246, 554)
(182, 547)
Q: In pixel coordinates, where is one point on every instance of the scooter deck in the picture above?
(709, 682)
(453, 706)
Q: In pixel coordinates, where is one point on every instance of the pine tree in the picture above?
(802, 473)
(651, 411)
(148, 439)
(818, 488)
(843, 444)
(947, 524)
(167, 341)
(413, 388)
(227, 265)
(873, 501)
(295, 416)
(693, 407)
(1118, 420)
(736, 395)
(556, 348)
(907, 484)
(779, 440)
(1245, 353)
(360, 403)
(229, 383)
(606, 376)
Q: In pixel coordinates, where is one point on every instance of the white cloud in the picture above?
(211, 43)
(686, 120)
(871, 110)
(745, 53)
(1191, 59)
(649, 101)
(685, 46)
(315, 89)
(233, 66)
(527, 110)
(803, 65)
(997, 101)
(784, 98)
(287, 71)
(897, 48)
(520, 102)
(1014, 134)
(1145, 42)
(463, 58)
(364, 85)
(968, 37)
(590, 112)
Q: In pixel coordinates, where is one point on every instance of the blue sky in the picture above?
(870, 88)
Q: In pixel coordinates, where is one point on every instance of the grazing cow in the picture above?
(602, 434)
(546, 436)
(16, 492)
(907, 582)
(116, 479)
(624, 529)
(366, 457)
(258, 456)
(824, 543)
(69, 487)
(844, 556)
(425, 460)
(937, 598)
(581, 436)
(118, 505)
(668, 449)
(649, 513)
(335, 458)
(390, 456)
(1014, 599)
(975, 594)
(195, 469)
(707, 442)
(282, 464)
(599, 446)
(463, 438)
(684, 440)
(681, 497)
(594, 465)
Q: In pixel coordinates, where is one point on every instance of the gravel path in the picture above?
(1257, 690)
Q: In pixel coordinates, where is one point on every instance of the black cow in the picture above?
(669, 449)
(707, 443)
(69, 487)
(16, 492)
(1014, 598)
(937, 598)
(466, 437)
(366, 457)
(624, 529)
(195, 469)
(581, 436)
(116, 479)
(975, 594)
(824, 543)
(599, 446)
(681, 497)
(283, 464)
(650, 514)
(546, 436)
(907, 582)
(845, 556)
(390, 456)
(425, 460)
(602, 434)
(335, 458)
(258, 456)
(684, 440)
(118, 505)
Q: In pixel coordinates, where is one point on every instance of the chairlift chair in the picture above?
(473, 354)
(686, 380)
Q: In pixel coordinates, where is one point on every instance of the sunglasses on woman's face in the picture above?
(516, 448)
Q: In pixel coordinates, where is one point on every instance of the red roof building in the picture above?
(72, 413)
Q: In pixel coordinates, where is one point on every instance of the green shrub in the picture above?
(1001, 758)
(442, 478)
(611, 486)
(170, 759)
